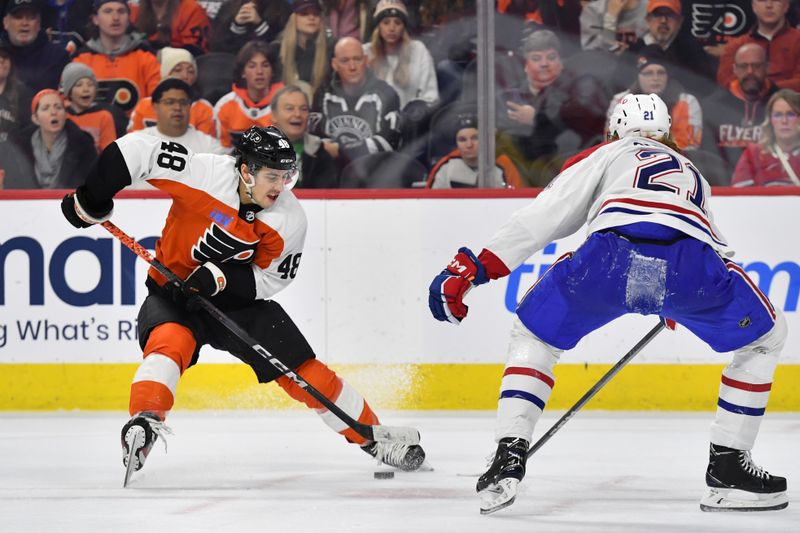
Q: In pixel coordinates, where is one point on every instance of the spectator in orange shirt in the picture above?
(176, 23)
(248, 104)
(773, 32)
(79, 88)
(124, 64)
(176, 63)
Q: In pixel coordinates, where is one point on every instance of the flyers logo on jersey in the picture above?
(218, 245)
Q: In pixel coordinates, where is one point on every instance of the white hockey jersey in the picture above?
(206, 221)
(627, 181)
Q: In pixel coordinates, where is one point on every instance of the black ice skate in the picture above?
(138, 437)
(497, 487)
(406, 457)
(736, 484)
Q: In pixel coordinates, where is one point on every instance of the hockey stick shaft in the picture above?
(599, 385)
(372, 433)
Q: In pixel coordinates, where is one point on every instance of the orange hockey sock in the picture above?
(338, 391)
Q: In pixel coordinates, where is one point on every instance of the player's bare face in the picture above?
(50, 115)
(291, 115)
(269, 185)
(258, 73)
(82, 94)
(22, 26)
(112, 19)
(184, 71)
(543, 68)
(785, 123)
(391, 30)
(308, 22)
(653, 79)
(467, 144)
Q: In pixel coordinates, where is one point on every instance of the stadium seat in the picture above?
(383, 170)
(214, 75)
(441, 139)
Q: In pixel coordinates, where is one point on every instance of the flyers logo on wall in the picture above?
(709, 19)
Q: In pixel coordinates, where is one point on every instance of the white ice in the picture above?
(286, 472)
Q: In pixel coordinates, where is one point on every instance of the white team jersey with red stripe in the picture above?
(623, 182)
(203, 223)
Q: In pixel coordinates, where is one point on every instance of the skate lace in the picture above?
(160, 429)
(751, 468)
(391, 453)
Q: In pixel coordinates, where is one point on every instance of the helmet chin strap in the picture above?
(248, 185)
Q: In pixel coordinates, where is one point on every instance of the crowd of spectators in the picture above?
(395, 81)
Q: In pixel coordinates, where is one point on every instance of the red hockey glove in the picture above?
(447, 290)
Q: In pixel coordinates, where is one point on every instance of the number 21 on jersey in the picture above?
(660, 170)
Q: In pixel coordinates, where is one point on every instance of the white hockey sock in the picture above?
(745, 388)
(527, 383)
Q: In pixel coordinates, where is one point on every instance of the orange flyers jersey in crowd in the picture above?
(190, 26)
(99, 123)
(201, 116)
(235, 112)
(123, 79)
(206, 221)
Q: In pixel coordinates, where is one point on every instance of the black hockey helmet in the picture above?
(267, 147)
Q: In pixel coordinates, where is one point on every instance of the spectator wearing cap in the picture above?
(290, 110)
(773, 32)
(79, 88)
(305, 49)
(356, 114)
(459, 168)
(734, 115)
(257, 75)
(396, 58)
(687, 60)
(654, 77)
(176, 63)
(125, 66)
(52, 153)
(554, 113)
(37, 61)
(612, 24)
(15, 98)
(242, 21)
(175, 23)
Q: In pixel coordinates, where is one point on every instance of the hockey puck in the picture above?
(384, 475)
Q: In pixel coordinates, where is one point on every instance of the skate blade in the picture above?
(498, 495)
(135, 441)
(733, 500)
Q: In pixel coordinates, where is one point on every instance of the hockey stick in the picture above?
(599, 385)
(382, 433)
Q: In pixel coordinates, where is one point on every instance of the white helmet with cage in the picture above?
(642, 115)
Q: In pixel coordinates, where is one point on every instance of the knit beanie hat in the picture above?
(170, 57)
(72, 74)
(652, 54)
(390, 8)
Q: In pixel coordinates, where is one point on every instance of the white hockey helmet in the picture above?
(643, 115)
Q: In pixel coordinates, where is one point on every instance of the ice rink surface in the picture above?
(287, 472)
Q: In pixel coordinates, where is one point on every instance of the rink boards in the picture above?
(69, 299)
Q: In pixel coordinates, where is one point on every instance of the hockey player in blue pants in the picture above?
(652, 249)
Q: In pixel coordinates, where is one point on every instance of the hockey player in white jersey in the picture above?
(653, 249)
